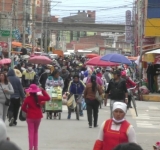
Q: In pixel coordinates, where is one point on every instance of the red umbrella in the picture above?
(40, 60)
(5, 61)
(92, 55)
(97, 62)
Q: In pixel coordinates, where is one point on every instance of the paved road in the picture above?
(75, 135)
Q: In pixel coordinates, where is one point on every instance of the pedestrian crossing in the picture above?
(148, 118)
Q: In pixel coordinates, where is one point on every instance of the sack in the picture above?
(70, 100)
(7, 102)
(79, 99)
(22, 115)
(64, 101)
(98, 97)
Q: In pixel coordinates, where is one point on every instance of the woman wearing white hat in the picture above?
(116, 130)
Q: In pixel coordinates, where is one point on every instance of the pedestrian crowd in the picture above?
(24, 88)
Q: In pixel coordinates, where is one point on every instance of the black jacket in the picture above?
(43, 79)
(117, 90)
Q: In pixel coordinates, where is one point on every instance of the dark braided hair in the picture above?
(94, 84)
(35, 98)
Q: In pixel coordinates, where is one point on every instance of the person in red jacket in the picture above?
(115, 131)
(129, 84)
(32, 107)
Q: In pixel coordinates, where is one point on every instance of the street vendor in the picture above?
(54, 81)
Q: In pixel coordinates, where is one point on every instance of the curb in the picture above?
(154, 98)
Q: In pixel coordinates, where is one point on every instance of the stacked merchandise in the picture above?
(55, 103)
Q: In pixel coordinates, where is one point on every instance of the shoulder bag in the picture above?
(98, 97)
(7, 101)
(22, 116)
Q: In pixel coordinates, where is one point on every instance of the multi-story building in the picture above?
(11, 11)
(79, 17)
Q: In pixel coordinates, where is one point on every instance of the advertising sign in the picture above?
(148, 41)
(128, 28)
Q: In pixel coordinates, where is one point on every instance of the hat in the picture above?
(120, 105)
(33, 89)
(109, 68)
(18, 73)
(3, 131)
(98, 70)
(118, 72)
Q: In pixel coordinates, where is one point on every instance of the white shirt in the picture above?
(116, 127)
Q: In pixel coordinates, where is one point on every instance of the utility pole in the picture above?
(46, 37)
(17, 4)
(133, 28)
(3, 5)
(24, 22)
(42, 30)
(46, 27)
(33, 24)
(141, 33)
(10, 37)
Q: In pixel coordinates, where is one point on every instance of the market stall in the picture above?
(55, 103)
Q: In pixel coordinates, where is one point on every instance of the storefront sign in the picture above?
(148, 41)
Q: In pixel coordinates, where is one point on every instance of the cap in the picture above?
(109, 68)
(118, 72)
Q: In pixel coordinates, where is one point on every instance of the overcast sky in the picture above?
(111, 11)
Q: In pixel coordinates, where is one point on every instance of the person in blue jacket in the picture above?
(76, 87)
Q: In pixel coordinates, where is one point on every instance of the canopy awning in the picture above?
(157, 51)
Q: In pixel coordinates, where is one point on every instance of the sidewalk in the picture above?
(155, 97)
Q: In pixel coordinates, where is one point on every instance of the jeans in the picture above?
(3, 111)
(92, 108)
(14, 108)
(33, 126)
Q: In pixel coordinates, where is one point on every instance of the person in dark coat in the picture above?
(15, 97)
(44, 76)
(65, 76)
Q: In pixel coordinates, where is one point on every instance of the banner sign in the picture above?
(128, 28)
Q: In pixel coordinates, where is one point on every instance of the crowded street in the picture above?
(72, 134)
(79, 75)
